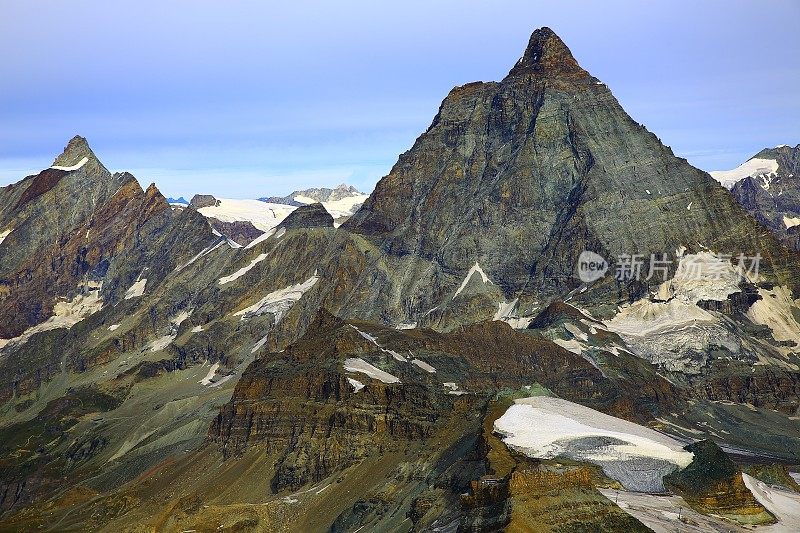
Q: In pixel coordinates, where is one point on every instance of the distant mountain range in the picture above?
(177, 201)
(243, 221)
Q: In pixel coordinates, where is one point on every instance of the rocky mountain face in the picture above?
(321, 194)
(772, 193)
(523, 175)
(156, 373)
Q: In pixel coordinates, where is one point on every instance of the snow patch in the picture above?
(260, 344)
(202, 253)
(356, 364)
(136, 290)
(213, 370)
(65, 315)
(476, 268)
(374, 341)
(76, 166)
(783, 504)
(4, 234)
(280, 301)
(113, 327)
(423, 365)
(789, 222)
(357, 385)
(775, 310)
(242, 271)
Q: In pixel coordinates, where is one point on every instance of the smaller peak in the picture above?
(74, 153)
(199, 201)
(308, 216)
(546, 54)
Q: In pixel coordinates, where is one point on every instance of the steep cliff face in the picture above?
(524, 174)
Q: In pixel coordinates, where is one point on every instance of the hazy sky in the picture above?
(244, 99)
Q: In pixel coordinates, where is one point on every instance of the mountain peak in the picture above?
(77, 148)
(547, 54)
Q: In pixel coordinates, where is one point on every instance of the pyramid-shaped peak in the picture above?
(77, 148)
(547, 54)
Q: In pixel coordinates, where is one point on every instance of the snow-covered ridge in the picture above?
(76, 166)
(636, 456)
(753, 167)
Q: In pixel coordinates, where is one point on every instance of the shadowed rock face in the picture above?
(308, 216)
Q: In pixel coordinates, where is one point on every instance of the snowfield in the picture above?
(374, 341)
(357, 385)
(211, 371)
(262, 215)
(753, 167)
(789, 222)
(424, 366)
(671, 329)
(356, 364)
(65, 315)
(636, 456)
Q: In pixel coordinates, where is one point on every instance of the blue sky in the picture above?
(245, 99)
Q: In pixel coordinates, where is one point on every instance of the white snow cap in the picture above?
(754, 167)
